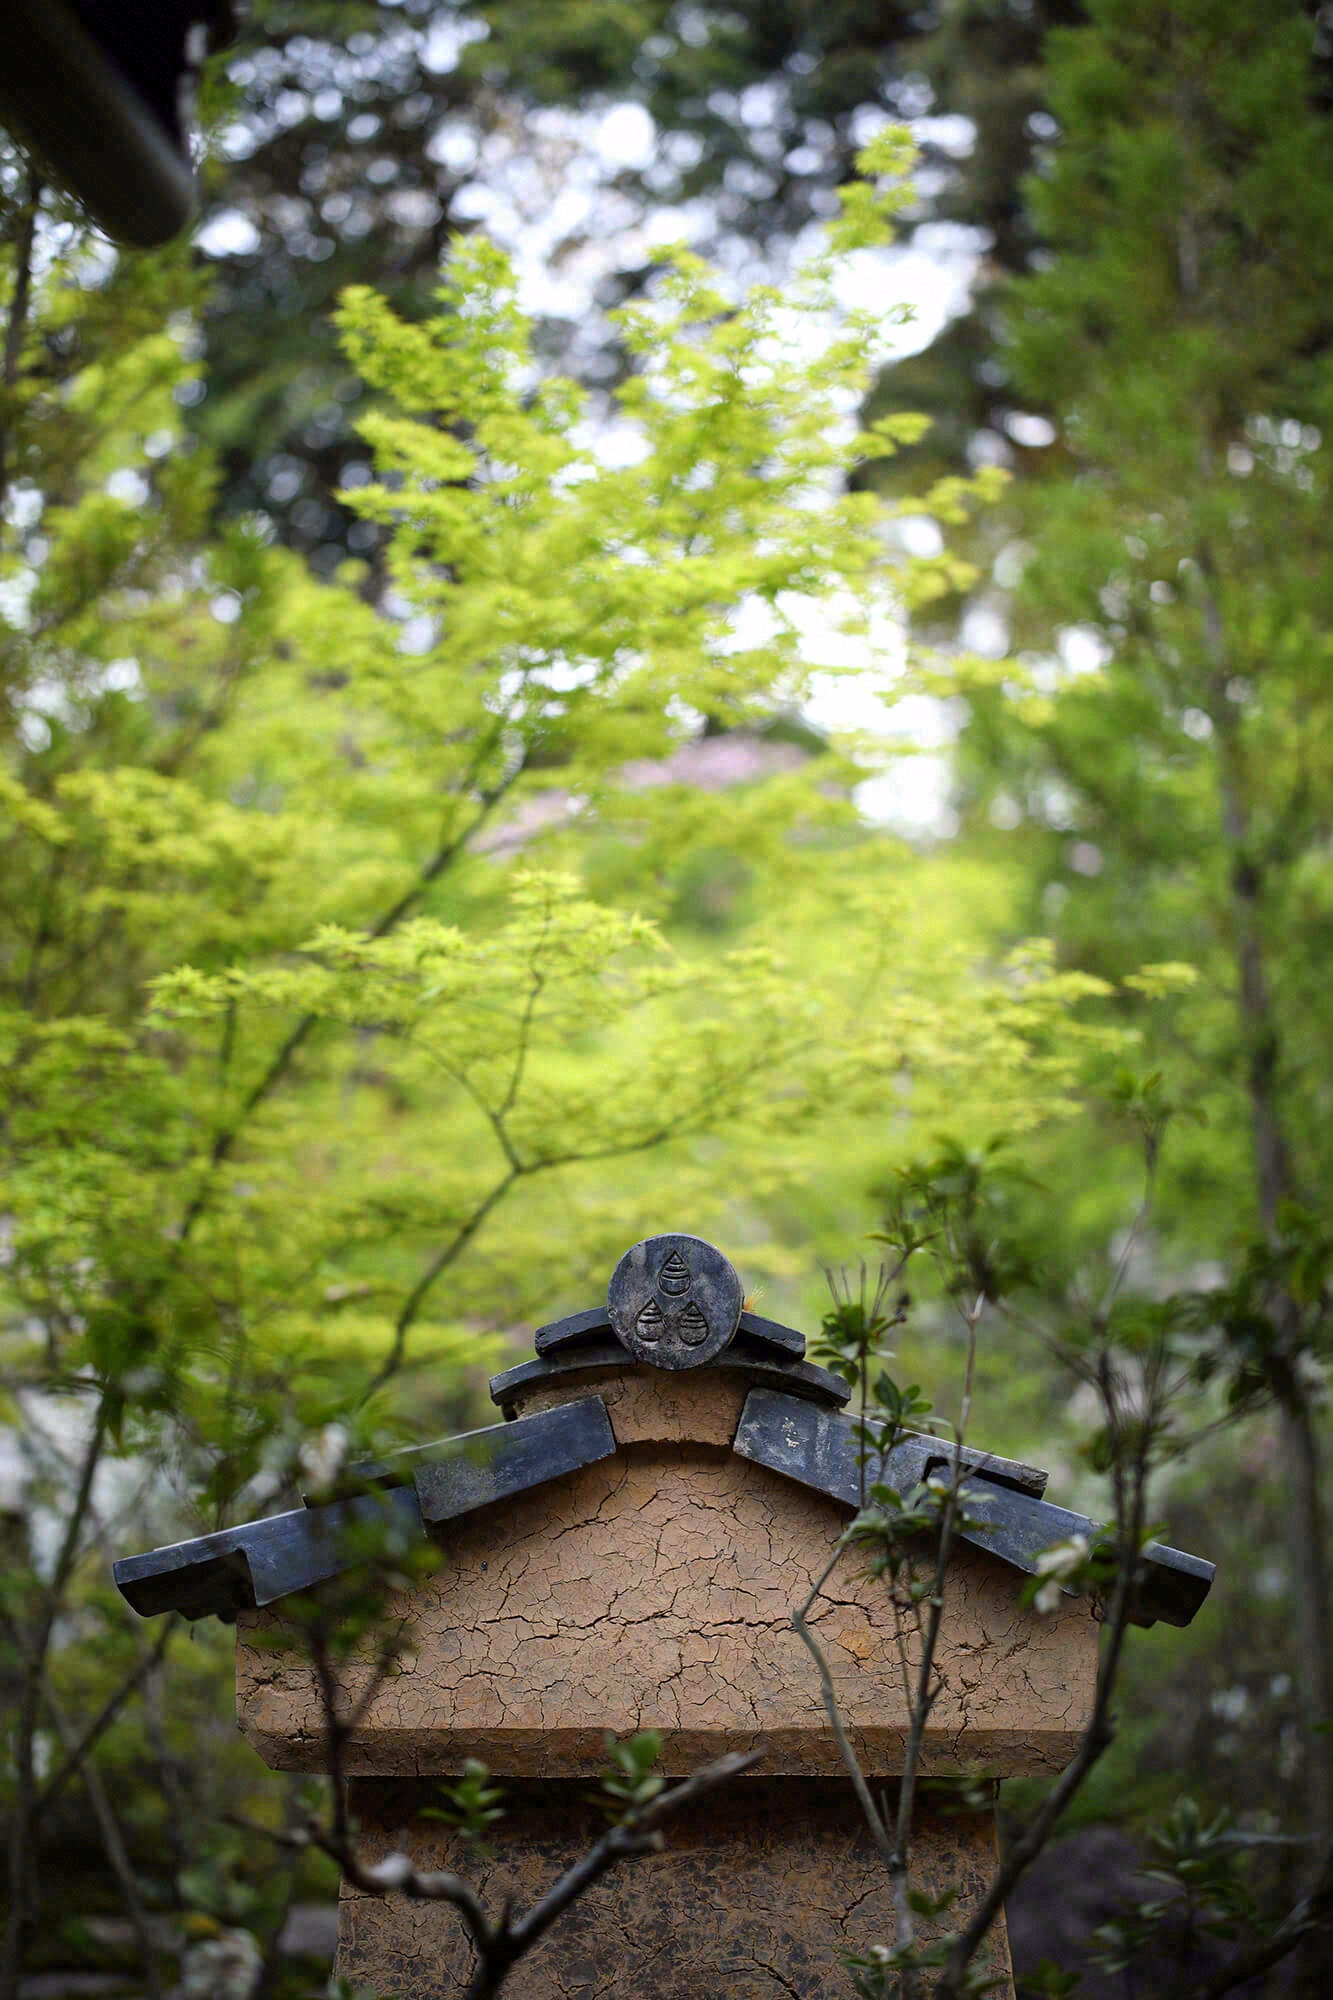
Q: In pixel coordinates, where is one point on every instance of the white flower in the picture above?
(322, 1457)
(223, 1968)
(1309, 1372)
(1054, 1565)
(393, 1871)
(1063, 1558)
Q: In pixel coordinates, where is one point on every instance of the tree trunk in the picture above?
(1306, 1541)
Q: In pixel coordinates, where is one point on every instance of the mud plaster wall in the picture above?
(654, 1590)
(758, 1890)
(650, 1406)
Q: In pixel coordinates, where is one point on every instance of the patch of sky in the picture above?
(626, 136)
(984, 631)
(452, 145)
(692, 26)
(418, 634)
(916, 534)
(1055, 805)
(910, 796)
(1009, 564)
(23, 505)
(853, 695)
(1029, 430)
(616, 445)
(229, 233)
(945, 132)
(1081, 650)
(16, 591)
(125, 483)
(238, 140)
(412, 208)
(1084, 857)
(447, 37)
(761, 106)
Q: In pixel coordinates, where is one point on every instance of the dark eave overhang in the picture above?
(793, 1434)
(674, 1303)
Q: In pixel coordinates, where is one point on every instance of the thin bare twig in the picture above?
(1102, 1316)
(434, 1270)
(926, 1689)
(271, 1969)
(637, 1833)
(1309, 1918)
(1097, 1737)
(500, 1942)
(30, 1702)
(279, 1064)
(524, 1039)
(106, 1715)
(800, 1625)
(113, 1845)
(876, 1817)
(395, 1874)
(450, 1251)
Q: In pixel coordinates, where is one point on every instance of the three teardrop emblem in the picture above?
(689, 1322)
(674, 1301)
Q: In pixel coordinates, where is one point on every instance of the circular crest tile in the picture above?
(674, 1301)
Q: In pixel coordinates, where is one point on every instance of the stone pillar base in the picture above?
(761, 1887)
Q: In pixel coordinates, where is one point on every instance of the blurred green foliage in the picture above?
(342, 949)
(334, 959)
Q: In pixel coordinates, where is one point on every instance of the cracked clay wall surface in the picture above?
(758, 1890)
(654, 1590)
(647, 1406)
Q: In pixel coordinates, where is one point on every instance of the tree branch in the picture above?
(500, 1943)
(1097, 1738)
(104, 1718)
(1275, 1185)
(1307, 1919)
(636, 1834)
(29, 1707)
(113, 1845)
(800, 1625)
(18, 320)
(435, 1269)
(281, 1062)
(926, 1691)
